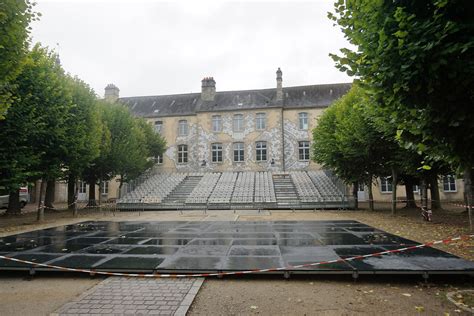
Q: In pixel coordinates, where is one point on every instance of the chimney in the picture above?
(279, 90)
(208, 89)
(111, 93)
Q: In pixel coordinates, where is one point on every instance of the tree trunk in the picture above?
(424, 194)
(120, 187)
(355, 188)
(40, 214)
(76, 197)
(71, 192)
(14, 206)
(100, 191)
(435, 199)
(394, 191)
(49, 196)
(371, 197)
(468, 189)
(409, 194)
(92, 202)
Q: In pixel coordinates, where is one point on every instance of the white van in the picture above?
(24, 197)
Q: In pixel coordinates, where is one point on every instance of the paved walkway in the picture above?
(134, 296)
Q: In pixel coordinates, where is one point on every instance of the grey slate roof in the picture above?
(318, 96)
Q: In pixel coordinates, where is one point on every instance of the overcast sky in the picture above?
(157, 47)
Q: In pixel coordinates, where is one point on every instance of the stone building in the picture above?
(248, 130)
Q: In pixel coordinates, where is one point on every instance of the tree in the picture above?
(417, 59)
(346, 141)
(83, 127)
(18, 159)
(33, 132)
(15, 17)
(51, 97)
(127, 145)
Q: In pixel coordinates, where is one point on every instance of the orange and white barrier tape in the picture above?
(218, 274)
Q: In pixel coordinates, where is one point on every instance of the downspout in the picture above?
(282, 142)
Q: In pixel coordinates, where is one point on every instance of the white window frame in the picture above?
(82, 187)
(182, 154)
(239, 152)
(183, 128)
(261, 151)
(104, 188)
(238, 123)
(216, 123)
(386, 185)
(158, 126)
(303, 150)
(216, 152)
(158, 159)
(449, 183)
(261, 121)
(303, 121)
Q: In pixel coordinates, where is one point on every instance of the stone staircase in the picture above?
(182, 191)
(285, 190)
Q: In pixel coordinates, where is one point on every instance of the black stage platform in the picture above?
(192, 247)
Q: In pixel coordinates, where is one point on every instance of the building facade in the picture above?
(248, 130)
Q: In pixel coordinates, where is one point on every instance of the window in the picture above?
(238, 152)
(260, 121)
(216, 123)
(183, 128)
(385, 185)
(158, 126)
(82, 187)
(216, 151)
(449, 183)
(238, 123)
(104, 187)
(303, 120)
(182, 153)
(303, 150)
(158, 159)
(261, 151)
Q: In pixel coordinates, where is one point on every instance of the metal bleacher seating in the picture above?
(306, 189)
(293, 189)
(222, 193)
(203, 190)
(264, 190)
(328, 191)
(244, 188)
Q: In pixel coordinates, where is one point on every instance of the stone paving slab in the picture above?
(135, 296)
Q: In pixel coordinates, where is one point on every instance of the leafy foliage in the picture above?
(417, 60)
(15, 16)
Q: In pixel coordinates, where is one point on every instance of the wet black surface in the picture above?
(221, 246)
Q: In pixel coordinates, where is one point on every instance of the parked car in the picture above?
(24, 197)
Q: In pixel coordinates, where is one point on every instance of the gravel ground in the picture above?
(271, 295)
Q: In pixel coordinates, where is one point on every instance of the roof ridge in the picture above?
(238, 91)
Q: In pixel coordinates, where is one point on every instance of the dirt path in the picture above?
(302, 295)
